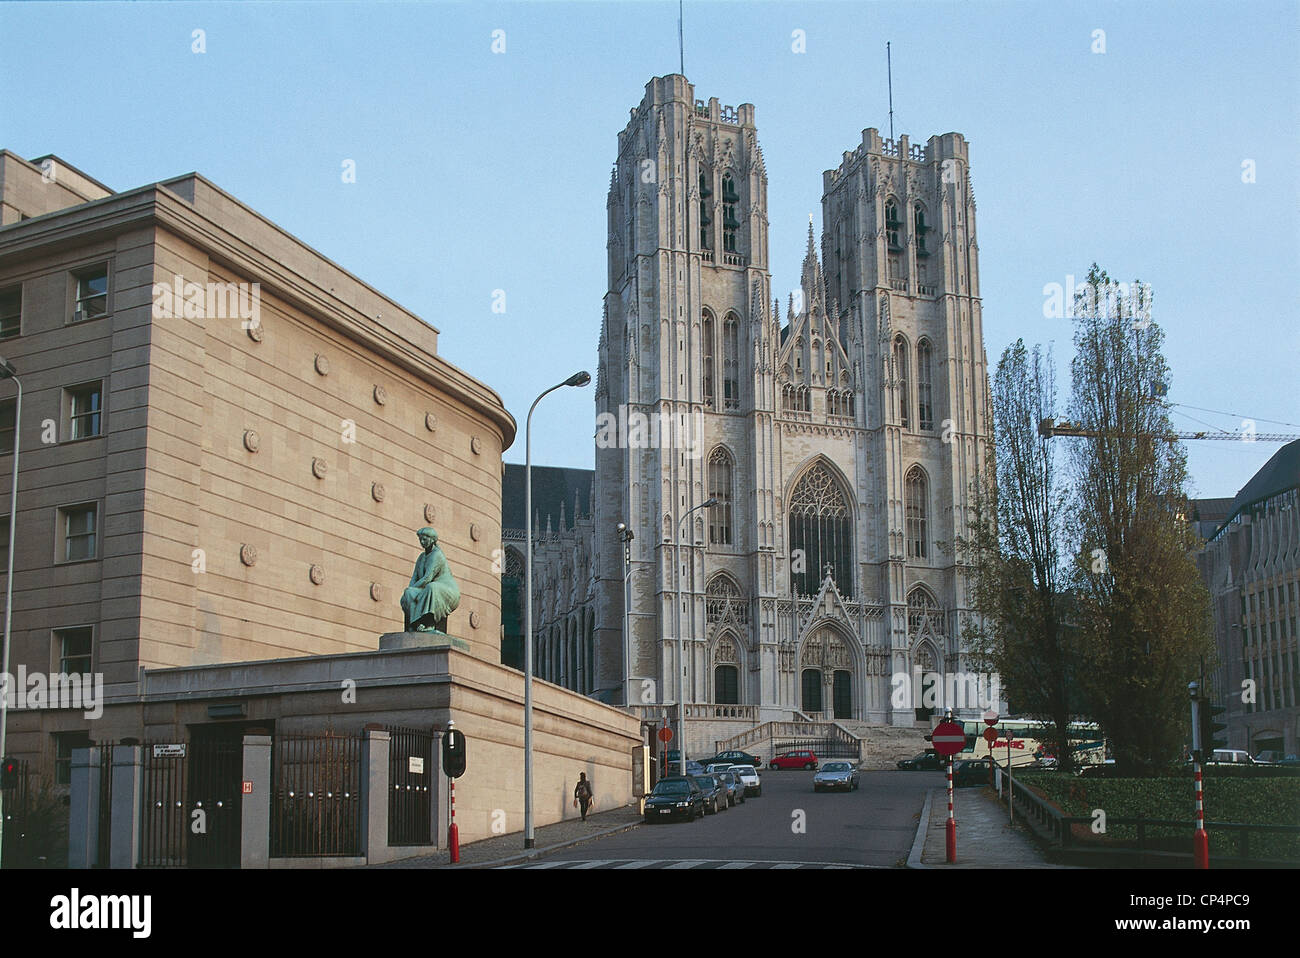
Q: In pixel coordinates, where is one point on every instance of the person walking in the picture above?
(583, 796)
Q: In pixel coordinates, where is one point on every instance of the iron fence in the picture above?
(316, 796)
(822, 747)
(104, 819)
(163, 806)
(410, 793)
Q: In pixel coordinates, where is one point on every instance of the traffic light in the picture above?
(453, 753)
(1212, 731)
(9, 772)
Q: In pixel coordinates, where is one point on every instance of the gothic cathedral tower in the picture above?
(841, 445)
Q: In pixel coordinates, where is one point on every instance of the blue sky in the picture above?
(478, 171)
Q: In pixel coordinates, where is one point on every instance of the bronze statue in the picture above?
(433, 593)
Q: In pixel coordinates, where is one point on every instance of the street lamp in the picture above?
(681, 647)
(625, 536)
(7, 371)
(577, 379)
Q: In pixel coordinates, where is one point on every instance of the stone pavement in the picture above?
(509, 849)
(984, 839)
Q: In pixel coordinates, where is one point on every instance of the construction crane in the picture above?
(1050, 427)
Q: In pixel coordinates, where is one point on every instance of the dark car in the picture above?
(674, 798)
(735, 787)
(715, 793)
(735, 757)
(926, 761)
(971, 772)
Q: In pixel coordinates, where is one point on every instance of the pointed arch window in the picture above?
(731, 362)
(730, 224)
(706, 220)
(920, 228)
(893, 224)
(721, 469)
(924, 392)
(820, 533)
(916, 509)
(706, 336)
(900, 372)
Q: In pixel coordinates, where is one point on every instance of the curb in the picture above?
(537, 852)
(918, 843)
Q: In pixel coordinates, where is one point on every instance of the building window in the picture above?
(900, 372)
(820, 532)
(8, 408)
(919, 227)
(914, 509)
(74, 648)
(77, 525)
(729, 221)
(705, 219)
(893, 225)
(726, 685)
(64, 743)
(706, 332)
(731, 362)
(924, 393)
(84, 405)
(11, 312)
(92, 293)
(720, 486)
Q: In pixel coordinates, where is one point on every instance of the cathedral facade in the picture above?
(796, 508)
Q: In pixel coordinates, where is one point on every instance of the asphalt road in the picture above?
(789, 823)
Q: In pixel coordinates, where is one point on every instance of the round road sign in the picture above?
(990, 735)
(948, 738)
(990, 717)
(665, 734)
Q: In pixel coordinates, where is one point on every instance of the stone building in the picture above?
(1251, 566)
(840, 435)
(227, 442)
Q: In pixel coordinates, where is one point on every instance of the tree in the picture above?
(1016, 549)
(1143, 611)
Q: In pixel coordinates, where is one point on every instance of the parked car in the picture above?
(1106, 769)
(1230, 756)
(674, 798)
(836, 775)
(735, 757)
(715, 793)
(714, 768)
(926, 761)
(800, 758)
(1290, 760)
(970, 772)
(749, 776)
(673, 767)
(1268, 756)
(735, 787)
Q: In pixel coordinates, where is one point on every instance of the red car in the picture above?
(801, 758)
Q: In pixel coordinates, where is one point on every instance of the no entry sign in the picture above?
(948, 738)
(665, 734)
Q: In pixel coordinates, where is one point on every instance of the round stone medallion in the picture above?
(317, 574)
(322, 365)
(248, 555)
(377, 491)
(252, 441)
(319, 469)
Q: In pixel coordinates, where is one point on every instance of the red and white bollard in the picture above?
(952, 820)
(1200, 840)
(453, 836)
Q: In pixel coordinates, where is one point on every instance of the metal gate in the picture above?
(410, 794)
(104, 828)
(190, 807)
(316, 796)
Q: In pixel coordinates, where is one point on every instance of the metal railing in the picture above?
(316, 796)
(410, 778)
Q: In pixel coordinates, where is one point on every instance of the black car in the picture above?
(734, 757)
(715, 793)
(674, 798)
(926, 761)
(971, 772)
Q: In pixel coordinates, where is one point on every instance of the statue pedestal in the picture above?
(392, 641)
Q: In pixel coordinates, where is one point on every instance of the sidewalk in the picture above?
(505, 849)
(984, 839)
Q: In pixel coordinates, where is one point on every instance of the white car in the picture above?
(717, 767)
(748, 775)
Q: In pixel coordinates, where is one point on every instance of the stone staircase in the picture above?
(885, 745)
(880, 746)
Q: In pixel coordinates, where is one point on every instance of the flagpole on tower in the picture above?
(889, 67)
(681, 43)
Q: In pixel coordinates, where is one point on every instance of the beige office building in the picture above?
(227, 444)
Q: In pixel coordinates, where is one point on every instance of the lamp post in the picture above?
(577, 379)
(625, 536)
(7, 371)
(681, 646)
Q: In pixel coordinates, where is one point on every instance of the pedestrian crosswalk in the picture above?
(691, 863)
